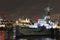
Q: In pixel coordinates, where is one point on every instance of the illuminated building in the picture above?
(23, 22)
(2, 24)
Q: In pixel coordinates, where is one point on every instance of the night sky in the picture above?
(27, 8)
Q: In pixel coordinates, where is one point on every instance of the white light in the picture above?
(41, 24)
(32, 26)
(2, 25)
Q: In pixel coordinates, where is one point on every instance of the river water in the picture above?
(38, 38)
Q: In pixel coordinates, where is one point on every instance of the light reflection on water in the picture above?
(37, 38)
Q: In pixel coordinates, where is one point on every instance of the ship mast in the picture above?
(47, 10)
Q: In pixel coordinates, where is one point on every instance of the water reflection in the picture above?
(44, 39)
(37, 38)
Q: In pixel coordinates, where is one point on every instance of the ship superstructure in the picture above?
(44, 22)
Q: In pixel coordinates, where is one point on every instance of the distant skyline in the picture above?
(27, 8)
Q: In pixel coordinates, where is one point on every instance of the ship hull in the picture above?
(24, 31)
(32, 31)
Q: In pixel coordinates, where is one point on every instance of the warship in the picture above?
(41, 27)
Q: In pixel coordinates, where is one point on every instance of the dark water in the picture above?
(38, 38)
(11, 36)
